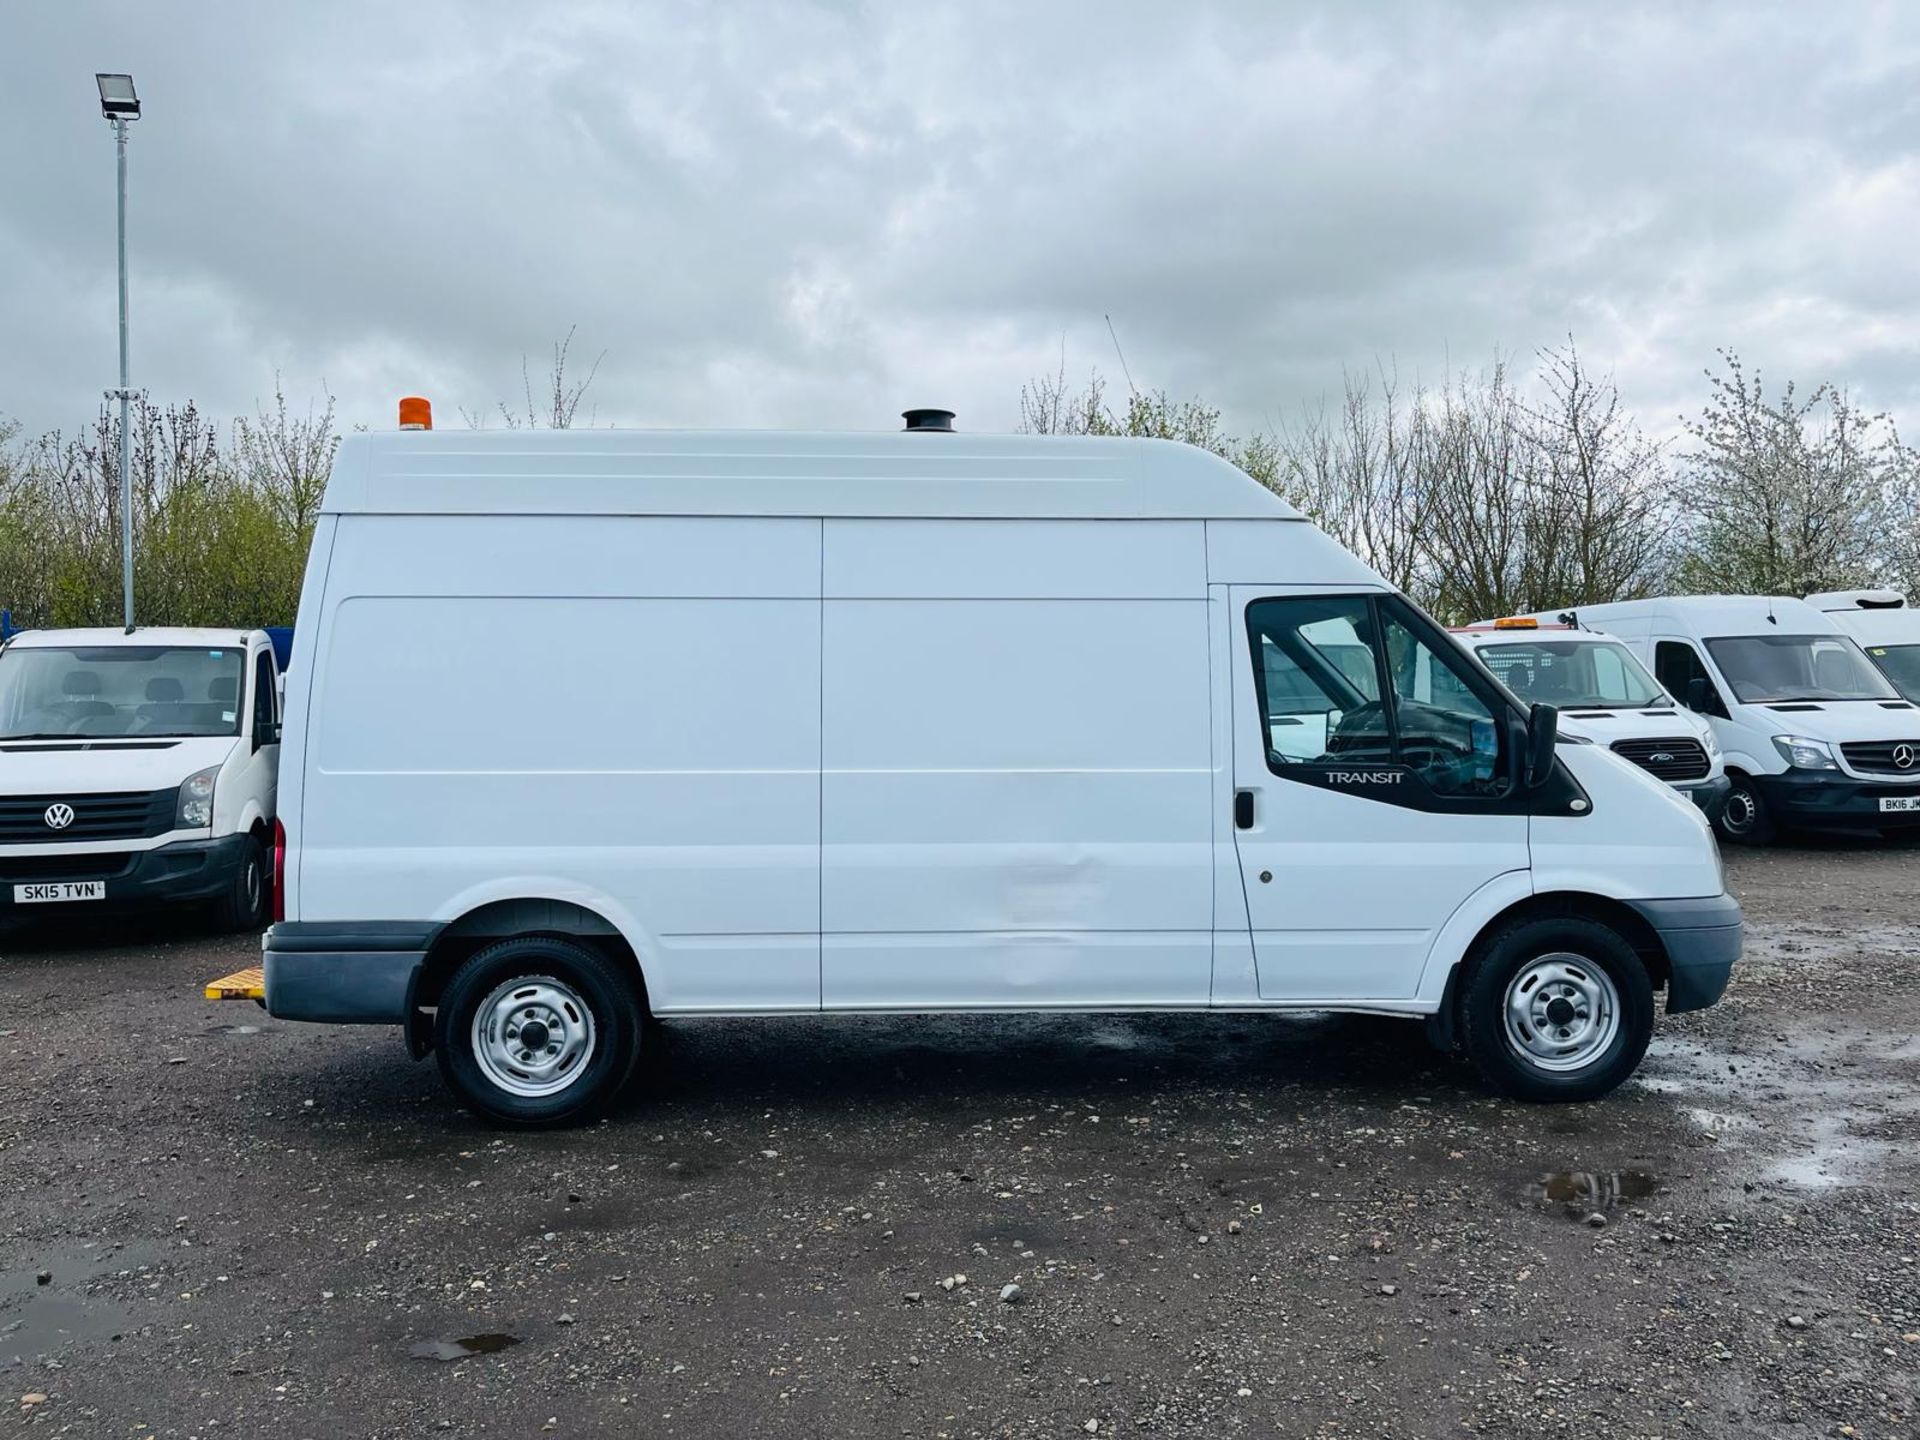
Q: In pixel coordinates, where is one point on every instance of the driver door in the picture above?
(1374, 791)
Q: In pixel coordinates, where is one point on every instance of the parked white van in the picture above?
(753, 724)
(1885, 626)
(1605, 696)
(138, 768)
(1813, 735)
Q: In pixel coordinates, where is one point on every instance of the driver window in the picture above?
(1445, 732)
(1676, 665)
(1319, 667)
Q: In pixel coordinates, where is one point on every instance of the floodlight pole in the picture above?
(125, 394)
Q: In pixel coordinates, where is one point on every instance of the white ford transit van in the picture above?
(1885, 626)
(1606, 696)
(752, 724)
(137, 769)
(1814, 736)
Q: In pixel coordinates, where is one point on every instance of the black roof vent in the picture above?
(940, 421)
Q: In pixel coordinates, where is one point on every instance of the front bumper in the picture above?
(1702, 939)
(1833, 800)
(358, 972)
(182, 872)
(1709, 795)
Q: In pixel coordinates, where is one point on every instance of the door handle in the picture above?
(1243, 809)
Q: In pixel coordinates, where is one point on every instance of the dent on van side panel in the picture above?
(1015, 791)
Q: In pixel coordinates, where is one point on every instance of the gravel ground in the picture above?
(219, 1225)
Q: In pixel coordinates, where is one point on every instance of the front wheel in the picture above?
(537, 1031)
(244, 905)
(1557, 1008)
(1744, 819)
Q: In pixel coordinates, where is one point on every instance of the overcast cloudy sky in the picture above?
(818, 214)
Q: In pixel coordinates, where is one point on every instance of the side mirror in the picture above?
(1697, 693)
(1543, 729)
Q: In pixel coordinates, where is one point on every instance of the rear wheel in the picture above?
(1744, 819)
(244, 906)
(1557, 1008)
(538, 1031)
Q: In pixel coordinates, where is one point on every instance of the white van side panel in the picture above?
(297, 706)
(619, 708)
(1017, 765)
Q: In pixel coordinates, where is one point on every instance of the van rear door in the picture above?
(1373, 791)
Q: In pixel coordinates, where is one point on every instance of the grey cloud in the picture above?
(814, 215)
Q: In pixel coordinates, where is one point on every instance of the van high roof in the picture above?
(772, 473)
(1711, 615)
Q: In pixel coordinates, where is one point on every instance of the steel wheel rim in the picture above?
(1738, 813)
(1562, 1012)
(533, 1036)
(252, 881)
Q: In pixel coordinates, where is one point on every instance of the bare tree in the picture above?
(1487, 528)
(1609, 494)
(1357, 473)
(559, 402)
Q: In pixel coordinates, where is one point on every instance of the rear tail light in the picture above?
(279, 872)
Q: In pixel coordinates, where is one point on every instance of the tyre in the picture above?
(244, 906)
(1744, 819)
(538, 1031)
(1556, 1008)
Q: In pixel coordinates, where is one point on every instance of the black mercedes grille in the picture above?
(1678, 758)
(134, 815)
(1883, 757)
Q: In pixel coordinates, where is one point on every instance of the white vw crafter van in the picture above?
(137, 769)
(1814, 736)
(1885, 626)
(1604, 695)
(751, 724)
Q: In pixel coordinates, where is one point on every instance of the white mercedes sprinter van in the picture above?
(137, 769)
(1604, 695)
(754, 724)
(1885, 626)
(1814, 736)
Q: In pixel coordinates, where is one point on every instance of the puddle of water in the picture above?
(1582, 1192)
(39, 1318)
(464, 1348)
(1804, 1109)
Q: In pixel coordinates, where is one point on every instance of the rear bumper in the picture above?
(182, 872)
(1828, 799)
(1702, 939)
(360, 972)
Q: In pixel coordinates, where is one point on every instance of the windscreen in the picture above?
(1766, 668)
(1573, 674)
(1901, 665)
(146, 690)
